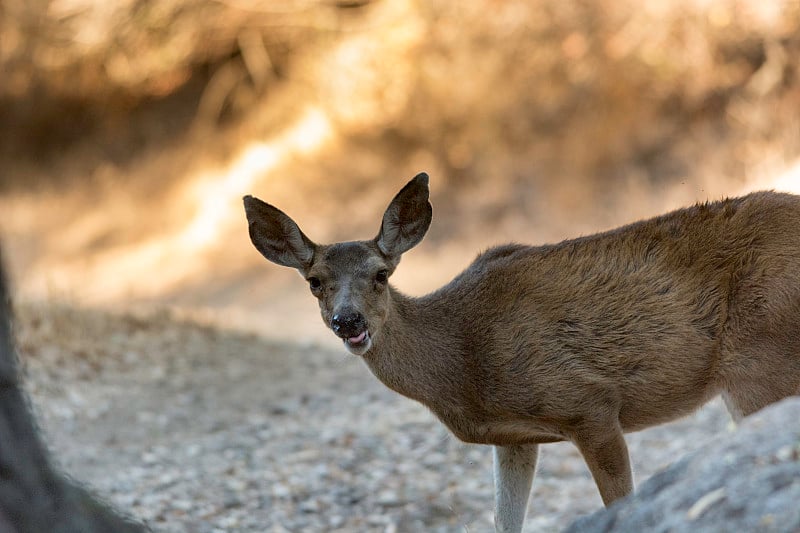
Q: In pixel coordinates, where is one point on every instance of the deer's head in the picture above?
(349, 279)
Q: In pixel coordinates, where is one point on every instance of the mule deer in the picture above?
(581, 341)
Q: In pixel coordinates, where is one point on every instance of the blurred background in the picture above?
(130, 129)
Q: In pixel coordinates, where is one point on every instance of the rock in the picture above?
(745, 481)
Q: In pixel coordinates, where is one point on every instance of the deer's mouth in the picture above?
(359, 344)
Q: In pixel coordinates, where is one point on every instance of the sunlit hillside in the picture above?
(131, 131)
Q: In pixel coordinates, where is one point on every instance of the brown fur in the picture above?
(590, 338)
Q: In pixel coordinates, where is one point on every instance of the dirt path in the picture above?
(200, 430)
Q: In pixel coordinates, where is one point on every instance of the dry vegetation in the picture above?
(605, 82)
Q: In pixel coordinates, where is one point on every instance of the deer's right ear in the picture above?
(277, 236)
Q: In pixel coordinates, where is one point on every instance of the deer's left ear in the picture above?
(407, 218)
(277, 236)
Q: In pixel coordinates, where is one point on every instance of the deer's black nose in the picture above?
(348, 324)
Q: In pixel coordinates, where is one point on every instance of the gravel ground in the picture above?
(196, 429)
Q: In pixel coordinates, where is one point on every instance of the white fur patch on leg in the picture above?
(514, 467)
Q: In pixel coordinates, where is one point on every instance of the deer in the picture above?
(581, 341)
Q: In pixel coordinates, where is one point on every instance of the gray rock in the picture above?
(746, 481)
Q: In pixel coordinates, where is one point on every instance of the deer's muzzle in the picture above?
(349, 325)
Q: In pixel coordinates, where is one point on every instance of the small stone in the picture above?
(388, 498)
(183, 505)
(279, 490)
(376, 520)
(309, 506)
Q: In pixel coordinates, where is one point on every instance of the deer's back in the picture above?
(645, 315)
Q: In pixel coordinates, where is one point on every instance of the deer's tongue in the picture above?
(357, 339)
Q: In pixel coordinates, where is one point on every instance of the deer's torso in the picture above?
(633, 321)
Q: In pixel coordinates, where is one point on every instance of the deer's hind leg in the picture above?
(760, 357)
(749, 394)
(762, 375)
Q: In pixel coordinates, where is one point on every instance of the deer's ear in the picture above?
(277, 236)
(406, 219)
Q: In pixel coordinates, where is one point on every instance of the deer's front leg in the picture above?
(606, 454)
(514, 467)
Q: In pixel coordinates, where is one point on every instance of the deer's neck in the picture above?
(419, 353)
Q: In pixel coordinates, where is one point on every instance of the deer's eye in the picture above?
(314, 283)
(382, 276)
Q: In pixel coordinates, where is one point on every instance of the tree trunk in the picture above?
(34, 497)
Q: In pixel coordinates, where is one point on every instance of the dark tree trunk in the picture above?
(34, 498)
